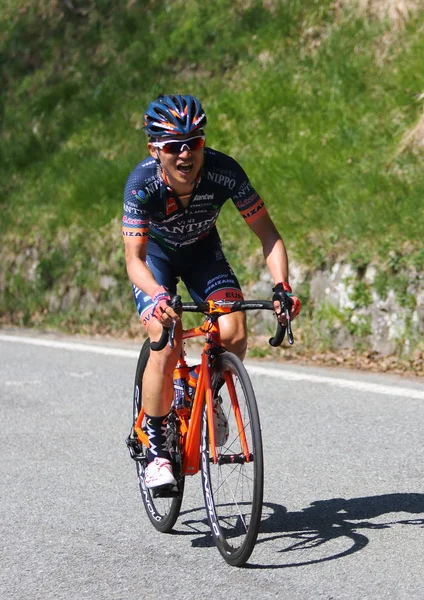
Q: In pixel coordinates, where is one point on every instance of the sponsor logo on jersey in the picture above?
(244, 189)
(152, 187)
(140, 195)
(130, 221)
(222, 180)
(251, 199)
(183, 227)
(255, 210)
(135, 233)
(132, 207)
(203, 197)
(171, 206)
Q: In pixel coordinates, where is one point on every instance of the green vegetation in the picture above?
(314, 101)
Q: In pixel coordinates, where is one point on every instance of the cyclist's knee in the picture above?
(233, 333)
(237, 346)
(164, 360)
(154, 329)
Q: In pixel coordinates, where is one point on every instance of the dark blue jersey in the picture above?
(153, 211)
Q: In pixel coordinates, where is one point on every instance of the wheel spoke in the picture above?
(162, 512)
(235, 485)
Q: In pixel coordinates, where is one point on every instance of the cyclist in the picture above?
(172, 200)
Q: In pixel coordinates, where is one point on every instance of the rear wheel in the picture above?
(233, 487)
(162, 511)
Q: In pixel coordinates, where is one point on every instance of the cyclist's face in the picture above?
(182, 166)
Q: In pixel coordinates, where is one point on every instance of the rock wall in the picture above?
(80, 283)
(373, 305)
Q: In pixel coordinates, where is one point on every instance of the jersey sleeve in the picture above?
(246, 199)
(135, 219)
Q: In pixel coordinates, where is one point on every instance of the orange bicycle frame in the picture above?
(190, 430)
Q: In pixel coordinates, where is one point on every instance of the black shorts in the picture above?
(201, 266)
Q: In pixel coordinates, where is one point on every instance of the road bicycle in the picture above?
(213, 428)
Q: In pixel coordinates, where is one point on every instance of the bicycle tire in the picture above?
(233, 487)
(162, 512)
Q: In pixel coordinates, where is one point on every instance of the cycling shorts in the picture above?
(202, 267)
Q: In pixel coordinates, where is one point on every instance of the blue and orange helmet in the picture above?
(174, 115)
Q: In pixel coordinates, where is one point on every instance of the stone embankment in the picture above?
(365, 307)
(362, 305)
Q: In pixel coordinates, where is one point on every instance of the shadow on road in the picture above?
(326, 530)
(329, 529)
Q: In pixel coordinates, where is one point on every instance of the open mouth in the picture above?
(185, 167)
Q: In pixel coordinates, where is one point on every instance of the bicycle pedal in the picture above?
(165, 491)
(135, 449)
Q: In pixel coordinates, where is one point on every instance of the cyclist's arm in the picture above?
(276, 259)
(135, 230)
(253, 210)
(274, 250)
(141, 276)
(137, 269)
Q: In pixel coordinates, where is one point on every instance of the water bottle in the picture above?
(180, 387)
(192, 378)
(185, 381)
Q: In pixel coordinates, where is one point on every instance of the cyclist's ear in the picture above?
(154, 152)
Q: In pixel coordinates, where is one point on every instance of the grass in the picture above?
(313, 103)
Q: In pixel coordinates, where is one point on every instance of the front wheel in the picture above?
(233, 487)
(162, 511)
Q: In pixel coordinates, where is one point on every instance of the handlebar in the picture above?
(239, 305)
(162, 341)
(168, 333)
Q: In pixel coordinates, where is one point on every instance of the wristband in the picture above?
(284, 288)
(161, 293)
(160, 300)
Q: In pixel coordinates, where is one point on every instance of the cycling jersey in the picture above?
(183, 242)
(153, 211)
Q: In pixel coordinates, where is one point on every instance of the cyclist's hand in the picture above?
(161, 309)
(283, 294)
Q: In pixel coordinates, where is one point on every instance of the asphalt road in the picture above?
(344, 493)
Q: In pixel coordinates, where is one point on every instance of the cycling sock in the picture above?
(156, 430)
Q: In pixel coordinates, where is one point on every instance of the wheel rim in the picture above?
(162, 511)
(157, 508)
(235, 483)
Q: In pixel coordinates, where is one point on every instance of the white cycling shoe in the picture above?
(159, 473)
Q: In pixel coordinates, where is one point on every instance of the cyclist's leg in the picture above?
(157, 388)
(162, 509)
(210, 277)
(233, 331)
(157, 381)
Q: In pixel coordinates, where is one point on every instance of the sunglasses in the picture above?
(178, 146)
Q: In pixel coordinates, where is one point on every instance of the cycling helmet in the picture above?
(174, 115)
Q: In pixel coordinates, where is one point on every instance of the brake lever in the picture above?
(290, 332)
(177, 306)
(171, 334)
(286, 305)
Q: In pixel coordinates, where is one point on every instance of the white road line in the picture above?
(364, 386)
(292, 375)
(72, 346)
